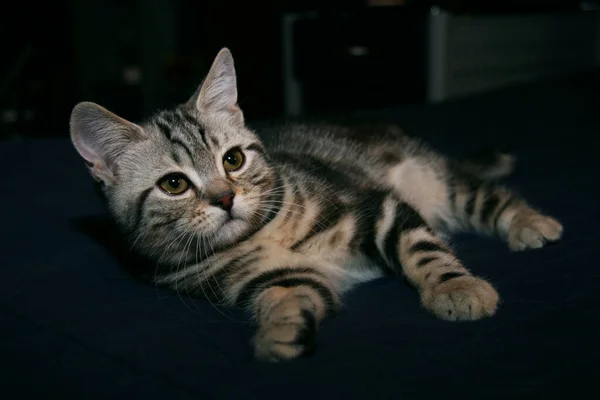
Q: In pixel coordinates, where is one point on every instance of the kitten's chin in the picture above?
(231, 231)
(235, 224)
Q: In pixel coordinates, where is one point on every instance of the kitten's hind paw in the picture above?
(533, 231)
(461, 297)
(286, 339)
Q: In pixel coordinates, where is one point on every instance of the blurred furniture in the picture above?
(292, 56)
(367, 58)
(381, 56)
(475, 53)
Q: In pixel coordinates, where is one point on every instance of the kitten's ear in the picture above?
(218, 92)
(100, 137)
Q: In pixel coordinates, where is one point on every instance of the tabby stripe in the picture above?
(202, 133)
(270, 278)
(190, 119)
(168, 117)
(502, 209)
(326, 219)
(488, 207)
(312, 165)
(196, 124)
(314, 284)
(257, 148)
(164, 129)
(425, 260)
(165, 223)
(212, 286)
(410, 219)
(139, 207)
(243, 259)
(185, 148)
(407, 219)
(470, 204)
(275, 199)
(298, 200)
(450, 275)
(262, 181)
(452, 194)
(371, 207)
(245, 270)
(175, 157)
(426, 246)
(245, 262)
(390, 244)
(386, 221)
(255, 177)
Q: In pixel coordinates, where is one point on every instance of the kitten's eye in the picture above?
(233, 160)
(174, 184)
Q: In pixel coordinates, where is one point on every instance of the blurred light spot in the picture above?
(132, 75)
(358, 51)
(9, 116)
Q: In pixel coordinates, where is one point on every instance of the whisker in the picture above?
(177, 272)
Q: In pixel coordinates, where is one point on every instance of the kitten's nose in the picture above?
(224, 200)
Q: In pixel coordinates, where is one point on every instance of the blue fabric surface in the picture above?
(75, 324)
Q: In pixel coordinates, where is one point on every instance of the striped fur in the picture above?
(316, 210)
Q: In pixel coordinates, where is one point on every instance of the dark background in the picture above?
(58, 53)
(75, 325)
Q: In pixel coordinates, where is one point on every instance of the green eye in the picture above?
(174, 184)
(233, 160)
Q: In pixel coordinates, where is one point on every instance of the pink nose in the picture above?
(225, 200)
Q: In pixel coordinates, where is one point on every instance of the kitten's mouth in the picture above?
(232, 218)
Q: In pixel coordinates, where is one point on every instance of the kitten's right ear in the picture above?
(100, 137)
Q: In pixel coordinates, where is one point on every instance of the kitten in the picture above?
(283, 228)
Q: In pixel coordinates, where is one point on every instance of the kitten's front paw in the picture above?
(286, 339)
(533, 231)
(461, 298)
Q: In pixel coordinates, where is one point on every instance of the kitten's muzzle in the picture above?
(223, 200)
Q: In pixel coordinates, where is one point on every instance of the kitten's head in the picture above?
(187, 181)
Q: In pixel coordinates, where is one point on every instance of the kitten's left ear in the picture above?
(218, 92)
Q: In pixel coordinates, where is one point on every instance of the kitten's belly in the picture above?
(359, 269)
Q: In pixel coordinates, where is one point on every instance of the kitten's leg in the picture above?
(288, 312)
(494, 210)
(450, 200)
(287, 293)
(446, 287)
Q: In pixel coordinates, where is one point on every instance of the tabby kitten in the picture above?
(283, 228)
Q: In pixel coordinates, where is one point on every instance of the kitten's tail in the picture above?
(488, 165)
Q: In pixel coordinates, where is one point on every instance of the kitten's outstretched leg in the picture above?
(446, 287)
(287, 321)
(493, 210)
(287, 293)
(459, 201)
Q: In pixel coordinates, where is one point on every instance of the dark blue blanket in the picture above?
(75, 324)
